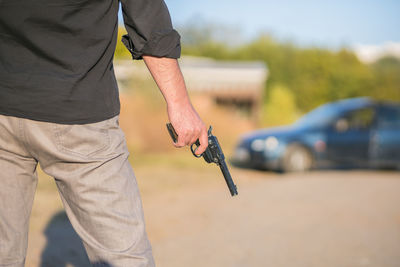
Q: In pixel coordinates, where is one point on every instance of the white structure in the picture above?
(237, 83)
(372, 53)
(203, 74)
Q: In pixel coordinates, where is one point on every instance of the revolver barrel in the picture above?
(228, 179)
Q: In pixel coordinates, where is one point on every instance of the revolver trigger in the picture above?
(194, 150)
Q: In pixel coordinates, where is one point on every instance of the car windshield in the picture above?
(319, 116)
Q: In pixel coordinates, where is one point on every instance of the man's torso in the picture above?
(56, 60)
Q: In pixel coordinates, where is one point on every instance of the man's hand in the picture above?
(188, 126)
(184, 118)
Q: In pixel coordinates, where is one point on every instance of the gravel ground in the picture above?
(321, 218)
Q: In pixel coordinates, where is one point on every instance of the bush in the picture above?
(280, 107)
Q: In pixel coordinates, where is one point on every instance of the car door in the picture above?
(385, 146)
(349, 137)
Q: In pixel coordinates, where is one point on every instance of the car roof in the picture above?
(352, 103)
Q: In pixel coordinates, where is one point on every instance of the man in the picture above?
(59, 107)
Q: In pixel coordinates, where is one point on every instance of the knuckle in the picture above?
(188, 141)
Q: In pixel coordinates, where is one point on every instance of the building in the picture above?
(238, 84)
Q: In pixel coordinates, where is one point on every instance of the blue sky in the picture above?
(307, 22)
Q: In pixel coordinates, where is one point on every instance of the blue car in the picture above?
(358, 132)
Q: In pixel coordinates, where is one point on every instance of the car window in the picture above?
(361, 119)
(318, 117)
(389, 117)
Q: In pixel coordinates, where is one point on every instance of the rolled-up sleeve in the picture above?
(150, 30)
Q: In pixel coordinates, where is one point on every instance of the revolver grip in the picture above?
(172, 132)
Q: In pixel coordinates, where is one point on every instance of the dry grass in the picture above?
(143, 121)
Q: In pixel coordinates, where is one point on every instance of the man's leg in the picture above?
(18, 182)
(98, 189)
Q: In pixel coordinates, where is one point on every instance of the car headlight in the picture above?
(271, 143)
(258, 145)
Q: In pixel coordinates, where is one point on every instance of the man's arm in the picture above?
(184, 118)
(151, 37)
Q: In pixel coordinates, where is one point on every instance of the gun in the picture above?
(213, 154)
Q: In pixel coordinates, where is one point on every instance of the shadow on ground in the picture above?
(64, 247)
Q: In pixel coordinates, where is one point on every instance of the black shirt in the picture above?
(56, 55)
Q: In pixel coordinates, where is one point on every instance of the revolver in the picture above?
(213, 154)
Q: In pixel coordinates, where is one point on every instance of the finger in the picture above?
(190, 137)
(177, 145)
(180, 142)
(203, 142)
(196, 135)
(184, 138)
(193, 140)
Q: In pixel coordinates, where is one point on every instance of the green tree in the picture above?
(280, 107)
(387, 73)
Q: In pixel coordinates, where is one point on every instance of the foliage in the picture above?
(310, 76)
(313, 75)
(387, 71)
(120, 51)
(280, 107)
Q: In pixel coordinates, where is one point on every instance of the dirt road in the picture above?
(322, 218)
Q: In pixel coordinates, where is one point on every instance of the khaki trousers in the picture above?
(95, 180)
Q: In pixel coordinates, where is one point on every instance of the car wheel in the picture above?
(297, 159)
